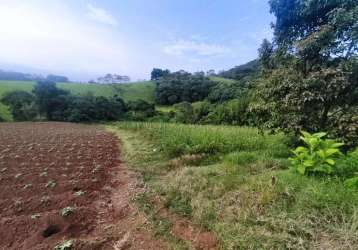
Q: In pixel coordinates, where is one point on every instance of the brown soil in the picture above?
(45, 167)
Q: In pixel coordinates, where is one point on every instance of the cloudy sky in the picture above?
(87, 38)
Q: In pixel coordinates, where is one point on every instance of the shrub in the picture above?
(318, 156)
(140, 110)
(22, 105)
(347, 167)
(184, 112)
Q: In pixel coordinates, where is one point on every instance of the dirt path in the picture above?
(64, 184)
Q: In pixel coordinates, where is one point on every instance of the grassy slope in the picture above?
(129, 92)
(222, 80)
(241, 188)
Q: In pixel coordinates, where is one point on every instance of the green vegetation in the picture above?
(310, 71)
(305, 79)
(176, 139)
(318, 156)
(243, 183)
(128, 92)
(238, 183)
(181, 86)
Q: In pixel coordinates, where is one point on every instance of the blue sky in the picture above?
(84, 39)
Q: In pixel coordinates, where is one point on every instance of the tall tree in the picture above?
(158, 73)
(50, 99)
(311, 68)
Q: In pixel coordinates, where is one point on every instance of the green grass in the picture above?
(222, 80)
(179, 139)
(164, 109)
(241, 188)
(129, 92)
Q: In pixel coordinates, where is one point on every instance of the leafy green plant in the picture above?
(318, 156)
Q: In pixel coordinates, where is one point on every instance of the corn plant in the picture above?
(318, 156)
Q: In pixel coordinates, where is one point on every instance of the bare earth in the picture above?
(46, 167)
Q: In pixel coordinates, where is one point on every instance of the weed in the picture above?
(79, 193)
(17, 176)
(51, 184)
(45, 199)
(66, 245)
(67, 211)
(35, 216)
(318, 156)
(42, 174)
(27, 186)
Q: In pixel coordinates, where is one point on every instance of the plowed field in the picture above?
(56, 184)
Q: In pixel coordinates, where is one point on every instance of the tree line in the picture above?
(48, 102)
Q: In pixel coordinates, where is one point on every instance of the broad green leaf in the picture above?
(330, 162)
(331, 151)
(305, 134)
(320, 135)
(337, 145)
(308, 163)
(321, 154)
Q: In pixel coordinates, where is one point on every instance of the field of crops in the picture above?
(54, 182)
(129, 92)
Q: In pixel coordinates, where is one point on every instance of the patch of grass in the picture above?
(164, 109)
(245, 194)
(221, 80)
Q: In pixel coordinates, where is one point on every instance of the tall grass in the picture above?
(179, 139)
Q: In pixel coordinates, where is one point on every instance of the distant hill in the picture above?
(129, 92)
(239, 72)
(19, 76)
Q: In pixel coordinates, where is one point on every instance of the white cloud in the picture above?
(190, 47)
(101, 15)
(52, 38)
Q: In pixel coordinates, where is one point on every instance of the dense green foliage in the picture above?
(224, 91)
(91, 108)
(51, 101)
(310, 72)
(319, 155)
(140, 110)
(22, 105)
(156, 74)
(242, 71)
(231, 112)
(182, 86)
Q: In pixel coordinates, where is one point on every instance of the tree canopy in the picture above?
(310, 70)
